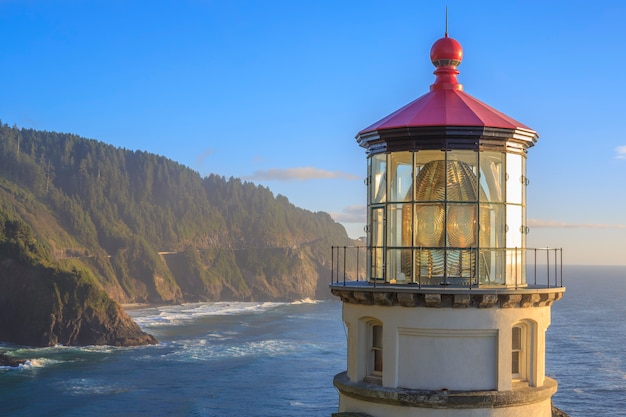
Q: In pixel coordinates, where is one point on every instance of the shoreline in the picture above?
(137, 306)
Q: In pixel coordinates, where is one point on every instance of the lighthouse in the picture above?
(450, 315)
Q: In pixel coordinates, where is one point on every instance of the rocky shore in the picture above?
(558, 413)
(41, 305)
(6, 360)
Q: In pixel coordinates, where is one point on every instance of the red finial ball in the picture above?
(446, 51)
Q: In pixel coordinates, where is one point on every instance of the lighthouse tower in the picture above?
(450, 317)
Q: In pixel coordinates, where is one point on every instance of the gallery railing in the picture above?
(541, 267)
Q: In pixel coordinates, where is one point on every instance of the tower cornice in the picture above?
(444, 398)
(358, 292)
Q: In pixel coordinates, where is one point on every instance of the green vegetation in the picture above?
(146, 229)
(43, 304)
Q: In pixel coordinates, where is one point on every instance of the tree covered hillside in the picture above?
(152, 230)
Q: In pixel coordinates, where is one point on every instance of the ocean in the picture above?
(586, 342)
(278, 359)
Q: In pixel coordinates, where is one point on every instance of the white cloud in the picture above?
(621, 152)
(538, 223)
(298, 174)
(204, 155)
(350, 214)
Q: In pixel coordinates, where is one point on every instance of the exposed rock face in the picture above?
(558, 413)
(44, 306)
(6, 360)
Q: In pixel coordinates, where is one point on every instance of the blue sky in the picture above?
(274, 92)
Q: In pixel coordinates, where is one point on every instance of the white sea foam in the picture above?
(173, 315)
(40, 363)
(53, 350)
(90, 386)
(42, 357)
(306, 301)
(300, 404)
(33, 364)
(222, 336)
(202, 350)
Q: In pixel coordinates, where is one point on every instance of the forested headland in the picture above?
(145, 229)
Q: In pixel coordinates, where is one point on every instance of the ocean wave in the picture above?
(32, 364)
(229, 335)
(192, 350)
(26, 351)
(42, 357)
(179, 314)
(300, 404)
(307, 301)
(40, 363)
(90, 386)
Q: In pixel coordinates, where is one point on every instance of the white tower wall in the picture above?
(451, 348)
(446, 353)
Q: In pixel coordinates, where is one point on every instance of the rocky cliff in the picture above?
(44, 305)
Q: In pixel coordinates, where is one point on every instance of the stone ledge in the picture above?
(448, 298)
(555, 413)
(443, 398)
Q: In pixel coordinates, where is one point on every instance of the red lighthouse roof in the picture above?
(446, 104)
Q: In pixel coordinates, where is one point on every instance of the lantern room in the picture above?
(446, 198)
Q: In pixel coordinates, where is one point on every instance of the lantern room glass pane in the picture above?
(378, 180)
(514, 225)
(491, 259)
(400, 176)
(492, 226)
(515, 270)
(429, 225)
(398, 267)
(461, 225)
(525, 181)
(376, 235)
(492, 176)
(460, 266)
(462, 177)
(428, 179)
(399, 237)
(468, 158)
(515, 178)
(429, 266)
(399, 225)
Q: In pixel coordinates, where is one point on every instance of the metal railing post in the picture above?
(535, 260)
(515, 267)
(332, 264)
(344, 266)
(548, 266)
(419, 272)
(561, 256)
(556, 277)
